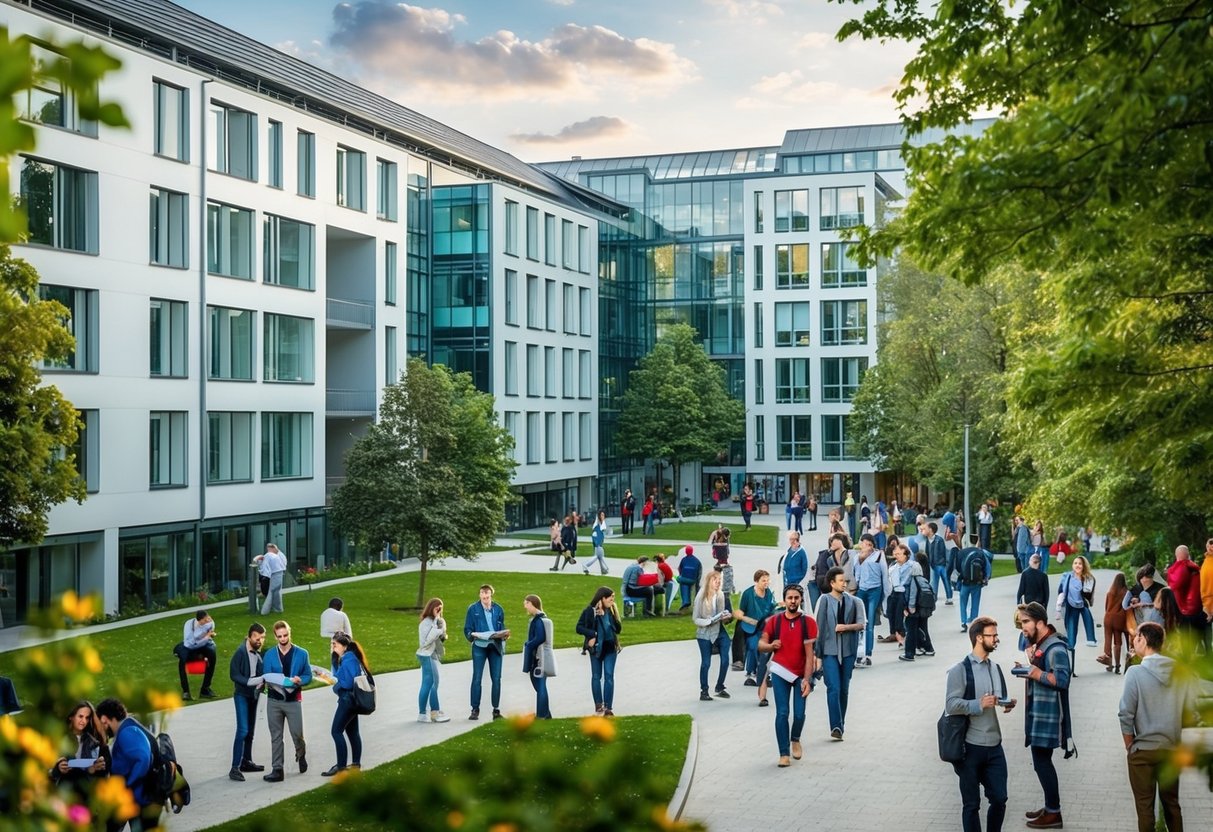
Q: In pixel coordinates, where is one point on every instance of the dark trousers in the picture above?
(1042, 762)
(246, 723)
(917, 635)
(897, 620)
(1145, 775)
(263, 581)
(207, 654)
(480, 655)
(982, 766)
(625, 526)
(738, 644)
(345, 724)
(642, 593)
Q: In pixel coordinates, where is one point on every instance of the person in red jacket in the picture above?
(667, 579)
(1183, 576)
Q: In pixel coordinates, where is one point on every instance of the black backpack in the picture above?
(973, 570)
(165, 779)
(926, 597)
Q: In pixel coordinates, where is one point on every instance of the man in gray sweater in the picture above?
(1153, 709)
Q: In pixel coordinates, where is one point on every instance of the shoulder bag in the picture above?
(364, 693)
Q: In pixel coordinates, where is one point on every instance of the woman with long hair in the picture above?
(711, 609)
(1168, 607)
(600, 626)
(351, 663)
(1075, 592)
(89, 755)
(431, 636)
(1037, 538)
(1115, 623)
(540, 633)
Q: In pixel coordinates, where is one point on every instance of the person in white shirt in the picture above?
(197, 643)
(334, 620)
(274, 560)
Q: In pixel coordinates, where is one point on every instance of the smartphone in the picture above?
(1005, 702)
(1020, 670)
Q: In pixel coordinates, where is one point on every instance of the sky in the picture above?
(550, 79)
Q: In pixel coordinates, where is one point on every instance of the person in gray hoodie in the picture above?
(1153, 709)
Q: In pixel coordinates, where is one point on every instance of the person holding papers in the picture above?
(789, 637)
(712, 607)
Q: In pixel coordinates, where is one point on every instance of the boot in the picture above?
(1046, 820)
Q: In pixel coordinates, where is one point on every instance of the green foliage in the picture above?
(563, 774)
(677, 407)
(433, 473)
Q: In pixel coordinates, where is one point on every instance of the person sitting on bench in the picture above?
(197, 644)
(633, 590)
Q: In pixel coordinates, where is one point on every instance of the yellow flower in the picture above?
(37, 746)
(77, 608)
(92, 660)
(113, 794)
(8, 730)
(454, 819)
(599, 728)
(164, 701)
(521, 722)
(1183, 757)
(503, 827)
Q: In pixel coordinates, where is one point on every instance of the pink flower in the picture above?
(79, 815)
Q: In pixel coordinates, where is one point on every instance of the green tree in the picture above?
(677, 408)
(433, 473)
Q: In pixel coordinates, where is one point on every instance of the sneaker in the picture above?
(185, 697)
(704, 696)
(439, 716)
(207, 693)
(235, 774)
(598, 709)
(423, 717)
(1089, 644)
(836, 735)
(607, 712)
(922, 651)
(496, 713)
(863, 661)
(738, 666)
(928, 652)
(585, 572)
(750, 681)
(721, 693)
(904, 658)
(553, 569)
(475, 714)
(251, 767)
(948, 603)
(964, 628)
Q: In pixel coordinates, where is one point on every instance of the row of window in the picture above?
(838, 267)
(571, 247)
(575, 310)
(839, 208)
(843, 322)
(840, 379)
(576, 375)
(551, 437)
(794, 438)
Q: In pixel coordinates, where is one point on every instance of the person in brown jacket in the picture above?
(1115, 624)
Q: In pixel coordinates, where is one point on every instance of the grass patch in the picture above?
(550, 775)
(692, 531)
(631, 551)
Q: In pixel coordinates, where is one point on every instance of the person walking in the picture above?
(1021, 539)
(277, 573)
(757, 604)
(937, 555)
(789, 638)
(291, 671)
(627, 512)
(872, 578)
(351, 663)
(539, 634)
(484, 627)
(1047, 709)
(811, 509)
(973, 692)
(919, 604)
(974, 567)
(131, 760)
(1115, 624)
(985, 526)
(1033, 583)
(245, 672)
(836, 554)
(712, 609)
(1075, 593)
(431, 645)
(748, 505)
(1183, 576)
(598, 540)
(795, 563)
(1036, 537)
(840, 619)
(798, 513)
(1154, 708)
(599, 626)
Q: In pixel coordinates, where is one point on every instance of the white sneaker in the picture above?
(1092, 644)
(439, 716)
(423, 717)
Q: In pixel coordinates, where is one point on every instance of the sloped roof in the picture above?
(868, 137)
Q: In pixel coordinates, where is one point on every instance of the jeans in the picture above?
(479, 656)
(540, 684)
(813, 520)
(798, 520)
(982, 766)
(602, 679)
(871, 603)
(1072, 616)
(668, 586)
(881, 539)
(1042, 762)
(1024, 558)
(648, 525)
(755, 662)
(745, 517)
(345, 722)
(1043, 551)
(814, 595)
(783, 690)
(940, 574)
(787, 515)
(837, 677)
(427, 697)
(970, 601)
(273, 597)
(246, 723)
(685, 589)
(705, 659)
(600, 557)
(1145, 770)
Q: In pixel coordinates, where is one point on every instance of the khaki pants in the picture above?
(277, 712)
(1145, 771)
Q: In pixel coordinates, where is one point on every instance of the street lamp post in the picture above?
(966, 505)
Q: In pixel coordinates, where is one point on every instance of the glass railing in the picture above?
(355, 314)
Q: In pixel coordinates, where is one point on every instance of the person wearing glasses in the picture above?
(976, 688)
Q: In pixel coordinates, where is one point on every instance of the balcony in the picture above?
(349, 314)
(349, 403)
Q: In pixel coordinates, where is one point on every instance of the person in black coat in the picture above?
(600, 627)
(89, 746)
(1033, 584)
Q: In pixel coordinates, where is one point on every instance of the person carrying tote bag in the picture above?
(538, 660)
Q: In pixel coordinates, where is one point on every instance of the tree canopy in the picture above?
(433, 473)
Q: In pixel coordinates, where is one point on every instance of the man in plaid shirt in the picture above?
(1047, 715)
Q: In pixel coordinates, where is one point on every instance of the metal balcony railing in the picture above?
(350, 314)
(349, 402)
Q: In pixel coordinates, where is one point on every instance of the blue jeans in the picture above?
(685, 588)
(782, 691)
(882, 539)
(705, 659)
(837, 673)
(755, 662)
(602, 679)
(246, 723)
(1024, 557)
(939, 574)
(982, 766)
(479, 656)
(345, 722)
(669, 594)
(814, 594)
(540, 684)
(1043, 551)
(871, 603)
(970, 601)
(1072, 616)
(787, 514)
(648, 525)
(427, 698)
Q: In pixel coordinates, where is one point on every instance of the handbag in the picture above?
(364, 694)
(951, 730)
(545, 657)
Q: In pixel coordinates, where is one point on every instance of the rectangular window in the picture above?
(229, 447)
(760, 438)
(351, 178)
(172, 121)
(47, 100)
(511, 297)
(568, 245)
(274, 144)
(758, 212)
(82, 322)
(549, 305)
(389, 274)
(289, 348)
(87, 450)
(585, 436)
(169, 339)
(792, 266)
(534, 373)
(533, 438)
(305, 163)
(229, 241)
(385, 194)
(792, 381)
(585, 301)
(570, 309)
(549, 239)
(583, 249)
(838, 267)
(759, 382)
(391, 369)
(532, 233)
(841, 377)
(551, 445)
(549, 372)
(511, 227)
(844, 322)
(290, 253)
(60, 205)
(232, 141)
(167, 448)
(792, 324)
(758, 267)
(169, 228)
(792, 210)
(510, 357)
(758, 325)
(286, 445)
(532, 301)
(841, 208)
(229, 344)
(835, 442)
(569, 443)
(585, 384)
(795, 439)
(568, 374)
(511, 427)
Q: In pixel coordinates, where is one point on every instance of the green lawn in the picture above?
(630, 551)
(143, 652)
(553, 772)
(692, 531)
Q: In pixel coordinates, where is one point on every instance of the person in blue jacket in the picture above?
(484, 627)
(538, 634)
(795, 564)
(350, 664)
(598, 539)
(285, 700)
(690, 569)
(131, 759)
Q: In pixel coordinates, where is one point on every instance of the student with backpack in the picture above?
(919, 604)
(133, 761)
(789, 638)
(974, 567)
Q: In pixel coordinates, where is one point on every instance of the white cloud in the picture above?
(815, 40)
(756, 11)
(596, 127)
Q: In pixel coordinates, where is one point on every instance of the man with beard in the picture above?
(245, 672)
(789, 637)
(1047, 711)
(132, 760)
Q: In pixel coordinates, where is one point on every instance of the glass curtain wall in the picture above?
(459, 287)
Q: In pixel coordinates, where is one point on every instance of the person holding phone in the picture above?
(600, 626)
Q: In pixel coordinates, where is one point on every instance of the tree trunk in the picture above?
(424, 557)
(677, 466)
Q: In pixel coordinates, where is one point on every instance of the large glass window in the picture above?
(274, 144)
(510, 357)
(532, 233)
(758, 223)
(844, 322)
(583, 249)
(511, 297)
(549, 305)
(172, 121)
(792, 380)
(841, 377)
(533, 308)
(289, 348)
(551, 443)
(168, 441)
(229, 447)
(759, 382)
(549, 372)
(835, 439)
(586, 303)
(232, 141)
(795, 440)
(585, 435)
(841, 207)
(758, 326)
(568, 438)
(568, 372)
(60, 205)
(570, 309)
(306, 163)
(511, 427)
(289, 253)
(47, 100)
(534, 441)
(391, 370)
(585, 386)
(82, 321)
(86, 450)
(230, 344)
(351, 178)
(760, 438)
(286, 445)
(792, 210)
(839, 269)
(792, 266)
(568, 245)
(534, 372)
(758, 268)
(549, 239)
(169, 228)
(169, 339)
(511, 227)
(229, 240)
(389, 273)
(792, 324)
(385, 195)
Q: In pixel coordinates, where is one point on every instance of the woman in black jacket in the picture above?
(90, 755)
(600, 625)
